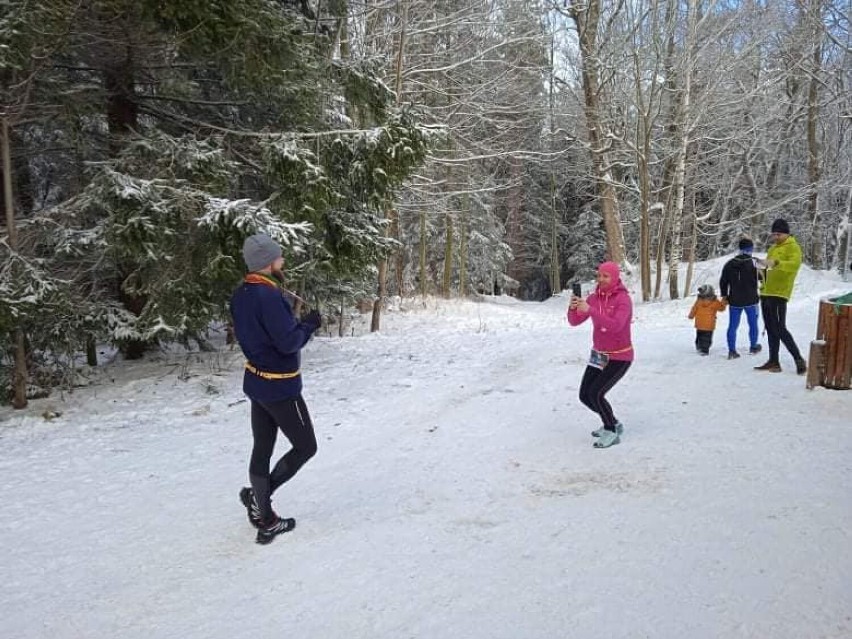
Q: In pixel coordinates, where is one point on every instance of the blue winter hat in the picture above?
(259, 251)
(746, 246)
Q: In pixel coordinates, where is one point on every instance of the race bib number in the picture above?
(598, 359)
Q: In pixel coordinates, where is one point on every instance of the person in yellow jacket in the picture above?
(704, 313)
(780, 269)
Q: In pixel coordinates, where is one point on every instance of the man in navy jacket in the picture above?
(271, 338)
(738, 285)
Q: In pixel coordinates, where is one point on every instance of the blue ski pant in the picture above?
(735, 312)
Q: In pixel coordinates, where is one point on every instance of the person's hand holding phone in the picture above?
(577, 302)
(576, 295)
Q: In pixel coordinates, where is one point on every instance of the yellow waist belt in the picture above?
(265, 375)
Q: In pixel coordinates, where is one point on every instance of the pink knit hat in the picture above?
(611, 269)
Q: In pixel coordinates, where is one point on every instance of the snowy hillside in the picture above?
(455, 494)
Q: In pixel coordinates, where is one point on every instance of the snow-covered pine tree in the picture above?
(584, 245)
(219, 120)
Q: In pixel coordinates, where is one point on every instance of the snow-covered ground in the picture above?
(455, 493)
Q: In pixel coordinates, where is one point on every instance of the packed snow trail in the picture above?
(455, 493)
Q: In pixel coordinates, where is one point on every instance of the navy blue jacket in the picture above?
(739, 281)
(270, 338)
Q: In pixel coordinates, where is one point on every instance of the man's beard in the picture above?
(278, 275)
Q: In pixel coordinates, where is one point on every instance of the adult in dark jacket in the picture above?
(271, 338)
(738, 285)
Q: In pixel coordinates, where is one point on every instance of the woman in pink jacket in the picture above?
(611, 310)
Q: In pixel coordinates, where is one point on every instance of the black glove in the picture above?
(313, 320)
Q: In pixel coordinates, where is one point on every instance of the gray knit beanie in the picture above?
(259, 251)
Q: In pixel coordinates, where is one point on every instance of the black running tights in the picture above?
(774, 311)
(596, 384)
(292, 418)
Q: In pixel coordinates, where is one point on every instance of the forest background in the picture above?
(395, 148)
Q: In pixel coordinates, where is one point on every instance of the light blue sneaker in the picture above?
(608, 438)
(619, 429)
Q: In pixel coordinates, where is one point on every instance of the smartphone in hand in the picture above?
(577, 289)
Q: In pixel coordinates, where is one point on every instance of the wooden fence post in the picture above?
(816, 364)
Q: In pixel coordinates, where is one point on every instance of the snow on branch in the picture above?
(251, 218)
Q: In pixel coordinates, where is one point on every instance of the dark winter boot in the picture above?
(274, 527)
(770, 367)
(252, 510)
(801, 367)
(733, 355)
(754, 350)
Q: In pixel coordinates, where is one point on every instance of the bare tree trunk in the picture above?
(644, 212)
(514, 226)
(586, 18)
(122, 119)
(646, 96)
(19, 382)
(555, 279)
(122, 112)
(463, 246)
(645, 254)
(682, 126)
(667, 181)
(398, 266)
(847, 250)
(814, 169)
(555, 282)
(19, 377)
(8, 199)
(91, 351)
(423, 288)
(687, 285)
(448, 257)
(662, 243)
(375, 320)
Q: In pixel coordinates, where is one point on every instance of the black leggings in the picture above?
(292, 417)
(703, 340)
(774, 311)
(596, 384)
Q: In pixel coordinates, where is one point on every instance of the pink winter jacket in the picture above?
(611, 312)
